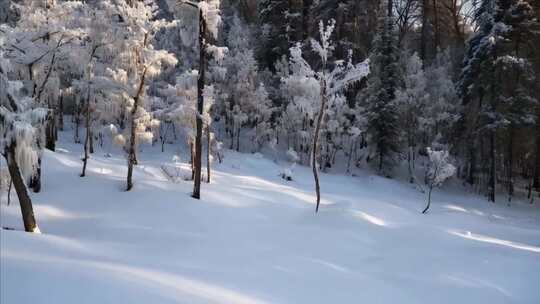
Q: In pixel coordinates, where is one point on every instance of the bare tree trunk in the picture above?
(86, 139)
(492, 179)
(77, 115)
(429, 199)
(536, 178)
(24, 199)
(192, 158)
(35, 180)
(91, 141)
(61, 113)
(200, 107)
(9, 191)
(424, 33)
(238, 138)
(49, 131)
(132, 158)
(410, 164)
(510, 176)
(208, 146)
(314, 149)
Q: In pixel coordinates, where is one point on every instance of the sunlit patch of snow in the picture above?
(101, 170)
(487, 239)
(455, 208)
(36, 230)
(370, 218)
(48, 210)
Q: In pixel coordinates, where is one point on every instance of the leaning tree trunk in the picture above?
(315, 141)
(132, 158)
(24, 199)
(429, 200)
(200, 104)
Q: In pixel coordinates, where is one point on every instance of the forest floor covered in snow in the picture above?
(255, 238)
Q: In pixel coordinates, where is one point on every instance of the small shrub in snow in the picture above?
(440, 169)
(287, 173)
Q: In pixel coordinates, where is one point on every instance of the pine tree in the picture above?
(494, 86)
(380, 105)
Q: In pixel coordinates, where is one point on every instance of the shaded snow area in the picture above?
(255, 238)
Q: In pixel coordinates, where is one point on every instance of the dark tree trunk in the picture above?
(200, 107)
(91, 139)
(9, 191)
(61, 113)
(315, 142)
(536, 178)
(510, 176)
(492, 172)
(132, 158)
(24, 199)
(77, 115)
(429, 200)
(35, 180)
(192, 158)
(50, 143)
(87, 138)
(424, 32)
(208, 147)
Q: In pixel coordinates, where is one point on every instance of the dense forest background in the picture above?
(280, 75)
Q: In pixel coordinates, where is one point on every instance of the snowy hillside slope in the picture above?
(255, 238)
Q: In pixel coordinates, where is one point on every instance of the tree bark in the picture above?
(61, 113)
(492, 179)
(49, 131)
(200, 107)
(35, 180)
(510, 176)
(424, 33)
(429, 200)
(18, 182)
(87, 137)
(314, 149)
(536, 178)
(132, 158)
(208, 147)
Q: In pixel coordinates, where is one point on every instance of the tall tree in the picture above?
(379, 98)
(329, 80)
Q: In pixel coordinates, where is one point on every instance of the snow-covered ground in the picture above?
(254, 238)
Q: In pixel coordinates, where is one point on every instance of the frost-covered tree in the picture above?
(20, 121)
(412, 101)
(244, 102)
(440, 169)
(209, 20)
(40, 47)
(138, 62)
(328, 81)
(443, 105)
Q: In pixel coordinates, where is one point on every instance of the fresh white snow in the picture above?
(255, 238)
